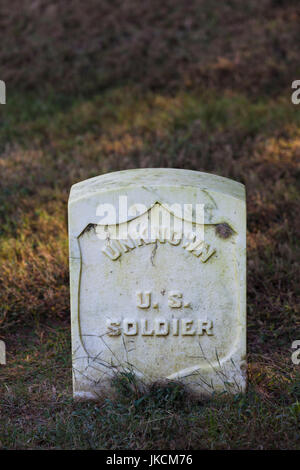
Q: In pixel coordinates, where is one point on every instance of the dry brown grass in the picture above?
(249, 46)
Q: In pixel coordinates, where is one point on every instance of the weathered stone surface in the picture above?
(165, 303)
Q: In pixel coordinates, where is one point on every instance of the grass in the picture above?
(185, 103)
(37, 410)
(219, 45)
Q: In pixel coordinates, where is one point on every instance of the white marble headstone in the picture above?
(158, 280)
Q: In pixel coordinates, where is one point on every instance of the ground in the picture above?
(117, 85)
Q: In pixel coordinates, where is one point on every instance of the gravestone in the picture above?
(158, 280)
(2, 353)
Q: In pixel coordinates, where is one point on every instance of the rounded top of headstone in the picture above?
(149, 178)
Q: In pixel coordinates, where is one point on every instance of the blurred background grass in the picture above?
(98, 86)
